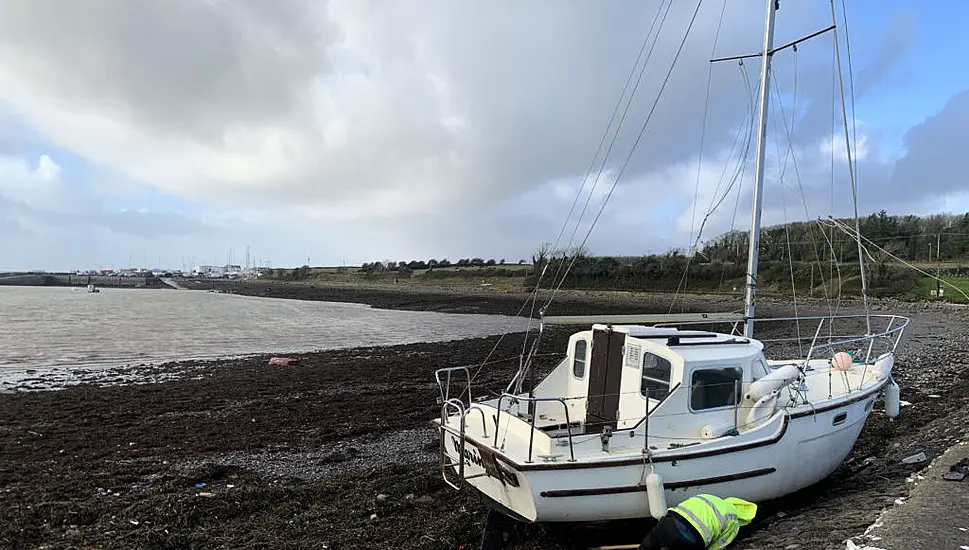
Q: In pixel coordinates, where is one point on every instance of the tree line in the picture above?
(935, 238)
(414, 265)
(803, 257)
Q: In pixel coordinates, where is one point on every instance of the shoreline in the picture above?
(308, 448)
(565, 302)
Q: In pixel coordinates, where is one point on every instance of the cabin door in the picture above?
(605, 374)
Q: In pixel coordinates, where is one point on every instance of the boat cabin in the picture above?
(689, 381)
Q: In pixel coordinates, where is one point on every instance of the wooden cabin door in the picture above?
(605, 374)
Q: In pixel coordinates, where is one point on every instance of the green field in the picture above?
(515, 277)
(501, 278)
(927, 285)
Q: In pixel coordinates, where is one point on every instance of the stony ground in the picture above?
(336, 451)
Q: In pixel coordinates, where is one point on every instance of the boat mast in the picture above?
(751, 294)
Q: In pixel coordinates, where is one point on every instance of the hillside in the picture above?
(803, 257)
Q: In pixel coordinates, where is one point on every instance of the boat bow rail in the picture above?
(887, 338)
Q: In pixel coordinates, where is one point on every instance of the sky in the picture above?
(178, 133)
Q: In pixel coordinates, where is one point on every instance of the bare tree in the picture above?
(542, 254)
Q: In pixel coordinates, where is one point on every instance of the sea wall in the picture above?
(49, 279)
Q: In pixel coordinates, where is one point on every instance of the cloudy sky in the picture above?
(181, 132)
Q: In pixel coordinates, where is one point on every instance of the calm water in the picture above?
(64, 327)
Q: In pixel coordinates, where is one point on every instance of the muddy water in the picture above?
(64, 327)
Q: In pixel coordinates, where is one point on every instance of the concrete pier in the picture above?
(933, 515)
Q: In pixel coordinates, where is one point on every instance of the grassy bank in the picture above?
(927, 286)
(646, 274)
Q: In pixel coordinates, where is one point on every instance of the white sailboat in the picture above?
(648, 410)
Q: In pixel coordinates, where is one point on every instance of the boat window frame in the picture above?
(585, 358)
(737, 395)
(642, 375)
(761, 362)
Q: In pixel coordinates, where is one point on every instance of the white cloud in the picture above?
(407, 107)
(835, 144)
(47, 169)
(367, 130)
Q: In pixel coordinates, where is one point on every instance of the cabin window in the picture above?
(715, 388)
(656, 376)
(578, 358)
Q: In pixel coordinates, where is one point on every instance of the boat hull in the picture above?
(804, 448)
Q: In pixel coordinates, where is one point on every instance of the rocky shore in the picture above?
(336, 450)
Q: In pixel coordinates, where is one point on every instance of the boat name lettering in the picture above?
(486, 461)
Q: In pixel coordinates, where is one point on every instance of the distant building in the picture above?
(209, 270)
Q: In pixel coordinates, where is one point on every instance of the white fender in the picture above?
(893, 402)
(710, 431)
(655, 495)
(773, 381)
(762, 409)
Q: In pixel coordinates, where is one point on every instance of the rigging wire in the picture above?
(740, 167)
(793, 161)
(851, 172)
(738, 172)
(615, 133)
(733, 227)
(743, 155)
(836, 267)
(830, 238)
(793, 158)
(533, 298)
(691, 250)
(736, 205)
(787, 156)
(639, 137)
(847, 230)
(703, 126)
(854, 130)
(608, 152)
(851, 82)
(592, 163)
(525, 359)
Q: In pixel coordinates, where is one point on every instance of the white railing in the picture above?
(894, 327)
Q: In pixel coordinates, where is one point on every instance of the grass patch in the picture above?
(927, 285)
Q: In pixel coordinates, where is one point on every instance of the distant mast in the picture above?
(751, 294)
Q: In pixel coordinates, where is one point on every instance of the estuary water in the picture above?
(59, 327)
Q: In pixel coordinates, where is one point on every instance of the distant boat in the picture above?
(92, 288)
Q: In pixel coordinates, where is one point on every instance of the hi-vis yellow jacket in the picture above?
(717, 520)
